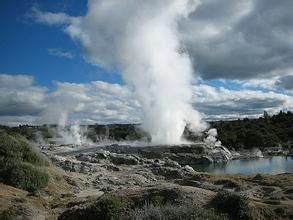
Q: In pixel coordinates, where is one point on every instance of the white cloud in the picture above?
(15, 81)
(19, 96)
(58, 52)
(49, 17)
(21, 101)
(222, 103)
(96, 102)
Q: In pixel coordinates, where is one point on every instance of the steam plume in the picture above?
(154, 62)
(143, 42)
(141, 39)
(63, 103)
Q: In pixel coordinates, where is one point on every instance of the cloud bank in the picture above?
(23, 101)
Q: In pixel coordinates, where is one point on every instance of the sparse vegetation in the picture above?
(114, 207)
(173, 212)
(107, 207)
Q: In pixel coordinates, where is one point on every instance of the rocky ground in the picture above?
(79, 176)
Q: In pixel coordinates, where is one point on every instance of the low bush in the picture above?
(30, 156)
(19, 163)
(25, 176)
(15, 148)
(279, 211)
(157, 200)
(109, 207)
(233, 204)
(7, 214)
(160, 197)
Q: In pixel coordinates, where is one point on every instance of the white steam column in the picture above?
(140, 39)
(161, 72)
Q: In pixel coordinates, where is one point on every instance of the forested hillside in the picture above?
(266, 131)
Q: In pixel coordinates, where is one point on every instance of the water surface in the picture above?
(270, 165)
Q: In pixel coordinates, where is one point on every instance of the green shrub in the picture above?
(25, 176)
(18, 164)
(157, 200)
(279, 211)
(30, 156)
(9, 148)
(7, 214)
(109, 207)
(235, 205)
(15, 148)
(160, 197)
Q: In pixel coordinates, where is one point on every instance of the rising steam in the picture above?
(153, 61)
(63, 103)
(141, 39)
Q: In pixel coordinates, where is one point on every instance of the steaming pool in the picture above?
(268, 165)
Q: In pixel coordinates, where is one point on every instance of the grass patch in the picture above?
(169, 211)
(108, 207)
(113, 207)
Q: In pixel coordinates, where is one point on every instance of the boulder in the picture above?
(172, 163)
(220, 154)
(127, 159)
(102, 154)
(168, 172)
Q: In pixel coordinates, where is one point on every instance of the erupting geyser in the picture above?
(153, 60)
(141, 40)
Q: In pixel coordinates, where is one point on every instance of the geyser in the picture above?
(154, 61)
(140, 39)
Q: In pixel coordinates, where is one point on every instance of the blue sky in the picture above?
(24, 45)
